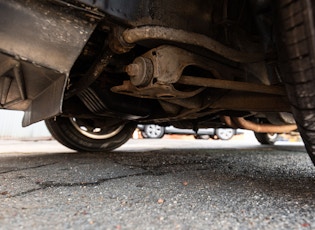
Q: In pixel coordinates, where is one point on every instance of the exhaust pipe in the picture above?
(240, 122)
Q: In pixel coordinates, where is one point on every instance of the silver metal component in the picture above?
(95, 133)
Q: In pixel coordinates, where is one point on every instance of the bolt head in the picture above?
(132, 70)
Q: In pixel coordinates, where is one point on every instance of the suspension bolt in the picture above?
(132, 70)
(140, 71)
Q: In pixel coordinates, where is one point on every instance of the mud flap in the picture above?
(39, 43)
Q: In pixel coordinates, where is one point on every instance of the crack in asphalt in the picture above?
(52, 184)
(24, 192)
(33, 167)
(149, 171)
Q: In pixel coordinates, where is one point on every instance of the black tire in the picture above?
(266, 138)
(224, 133)
(297, 53)
(79, 135)
(153, 131)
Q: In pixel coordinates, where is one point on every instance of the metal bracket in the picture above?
(168, 63)
(15, 70)
(153, 74)
(157, 91)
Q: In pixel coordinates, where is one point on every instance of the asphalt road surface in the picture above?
(157, 184)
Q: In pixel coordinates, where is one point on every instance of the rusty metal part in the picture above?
(135, 35)
(263, 128)
(233, 85)
(170, 61)
(240, 122)
(133, 70)
(229, 122)
(155, 72)
(167, 63)
(116, 43)
(140, 71)
(157, 91)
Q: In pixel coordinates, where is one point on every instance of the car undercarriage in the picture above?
(93, 70)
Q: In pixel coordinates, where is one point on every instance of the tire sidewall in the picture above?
(65, 132)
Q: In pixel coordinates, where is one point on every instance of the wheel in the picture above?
(224, 134)
(85, 135)
(266, 138)
(153, 131)
(297, 55)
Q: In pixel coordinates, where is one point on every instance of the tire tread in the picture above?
(298, 66)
